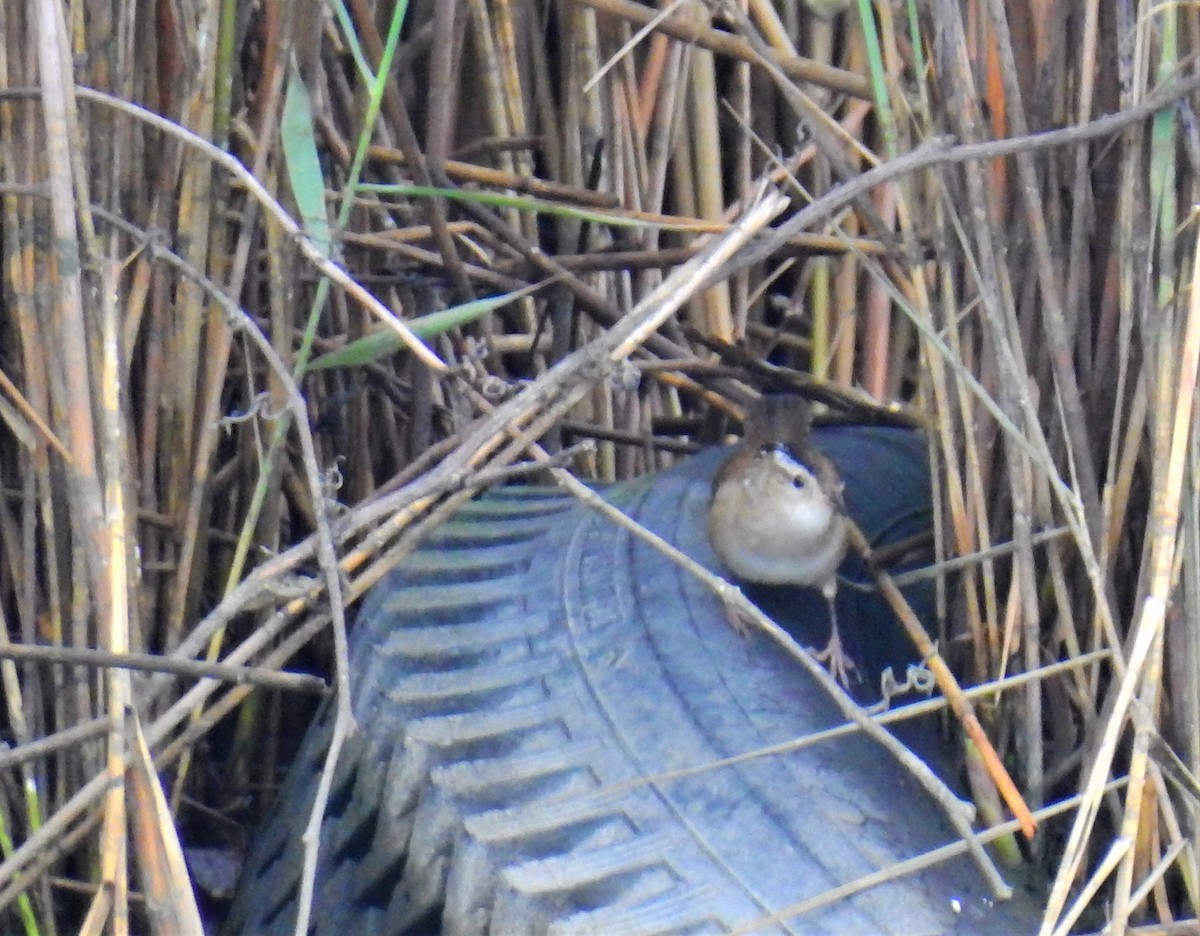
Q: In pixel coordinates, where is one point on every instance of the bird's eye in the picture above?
(798, 482)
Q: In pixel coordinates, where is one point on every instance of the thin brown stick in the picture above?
(959, 703)
(157, 663)
(686, 29)
(67, 738)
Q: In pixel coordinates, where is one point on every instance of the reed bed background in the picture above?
(216, 437)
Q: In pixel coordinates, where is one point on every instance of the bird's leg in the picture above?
(840, 665)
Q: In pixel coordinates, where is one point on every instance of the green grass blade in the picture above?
(381, 343)
(521, 203)
(303, 164)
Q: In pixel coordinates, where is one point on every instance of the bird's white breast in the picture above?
(765, 528)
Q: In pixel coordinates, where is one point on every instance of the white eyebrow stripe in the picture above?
(793, 466)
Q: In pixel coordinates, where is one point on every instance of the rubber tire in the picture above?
(521, 679)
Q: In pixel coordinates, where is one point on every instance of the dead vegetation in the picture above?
(283, 284)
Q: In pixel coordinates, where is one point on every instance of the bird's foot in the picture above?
(736, 619)
(835, 658)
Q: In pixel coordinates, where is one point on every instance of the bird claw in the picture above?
(734, 617)
(836, 660)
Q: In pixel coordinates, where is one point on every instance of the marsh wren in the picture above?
(776, 514)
